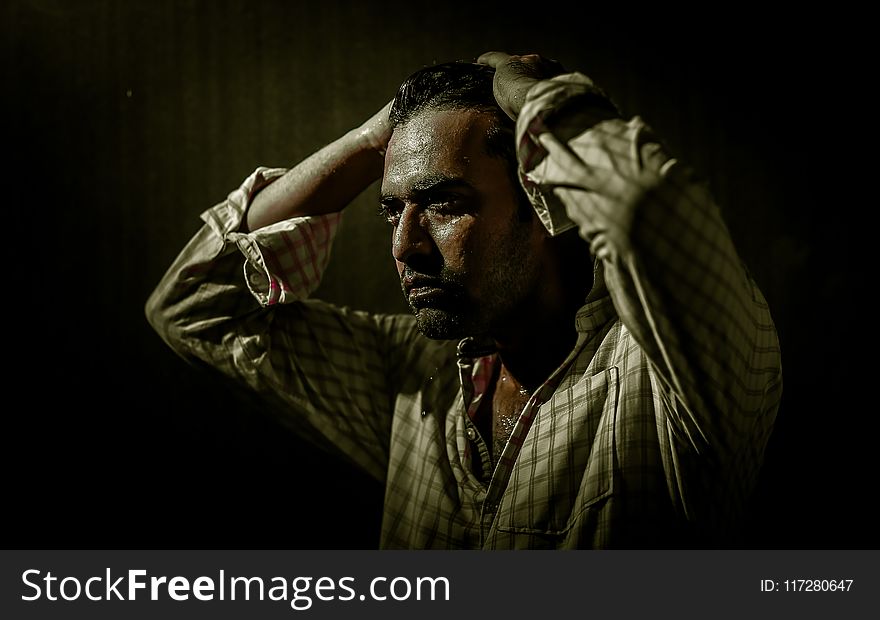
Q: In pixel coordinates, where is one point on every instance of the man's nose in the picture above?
(411, 236)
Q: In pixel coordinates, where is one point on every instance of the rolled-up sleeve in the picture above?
(667, 257)
(238, 303)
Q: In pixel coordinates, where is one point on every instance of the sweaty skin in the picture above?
(467, 264)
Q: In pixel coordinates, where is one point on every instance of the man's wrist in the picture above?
(364, 140)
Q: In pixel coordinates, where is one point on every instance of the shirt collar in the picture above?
(598, 307)
(477, 356)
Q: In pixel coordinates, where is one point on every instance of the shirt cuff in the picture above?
(284, 261)
(566, 104)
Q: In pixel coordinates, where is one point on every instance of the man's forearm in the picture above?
(328, 180)
(325, 182)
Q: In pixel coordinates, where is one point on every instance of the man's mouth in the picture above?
(423, 291)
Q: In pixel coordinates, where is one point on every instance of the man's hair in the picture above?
(462, 85)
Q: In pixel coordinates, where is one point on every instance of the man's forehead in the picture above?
(436, 143)
(434, 129)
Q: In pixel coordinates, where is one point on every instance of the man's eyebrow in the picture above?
(429, 185)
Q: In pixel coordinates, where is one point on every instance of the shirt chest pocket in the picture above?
(565, 469)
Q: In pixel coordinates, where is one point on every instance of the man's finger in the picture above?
(493, 59)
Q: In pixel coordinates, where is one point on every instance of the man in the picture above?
(587, 364)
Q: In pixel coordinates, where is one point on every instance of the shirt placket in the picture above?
(504, 468)
(475, 374)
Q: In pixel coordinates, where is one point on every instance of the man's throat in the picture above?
(501, 408)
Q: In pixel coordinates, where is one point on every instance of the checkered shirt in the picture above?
(650, 434)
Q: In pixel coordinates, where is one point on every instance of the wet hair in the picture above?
(463, 85)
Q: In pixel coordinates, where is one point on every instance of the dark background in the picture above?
(123, 121)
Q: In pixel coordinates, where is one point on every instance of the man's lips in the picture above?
(417, 288)
(425, 293)
(419, 282)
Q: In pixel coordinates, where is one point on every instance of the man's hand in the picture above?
(376, 130)
(515, 75)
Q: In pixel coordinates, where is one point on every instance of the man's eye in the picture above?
(443, 204)
(389, 214)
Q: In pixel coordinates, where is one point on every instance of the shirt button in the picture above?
(471, 433)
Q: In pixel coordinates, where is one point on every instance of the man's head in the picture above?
(461, 86)
(469, 249)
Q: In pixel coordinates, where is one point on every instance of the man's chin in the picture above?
(439, 324)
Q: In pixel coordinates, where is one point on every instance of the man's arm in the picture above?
(237, 302)
(328, 180)
(667, 257)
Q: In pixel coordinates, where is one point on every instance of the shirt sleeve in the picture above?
(666, 255)
(238, 303)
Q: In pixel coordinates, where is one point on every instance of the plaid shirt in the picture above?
(650, 434)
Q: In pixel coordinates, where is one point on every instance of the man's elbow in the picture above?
(157, 315)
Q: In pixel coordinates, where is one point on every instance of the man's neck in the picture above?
(537, 339)
(532, 352)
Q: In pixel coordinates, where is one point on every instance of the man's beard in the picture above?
(448, 311)
(446, 314)
(440, 324)
(452, 313)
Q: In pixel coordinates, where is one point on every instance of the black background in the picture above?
(122, 121)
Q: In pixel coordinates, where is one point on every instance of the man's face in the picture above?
(467, 264)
